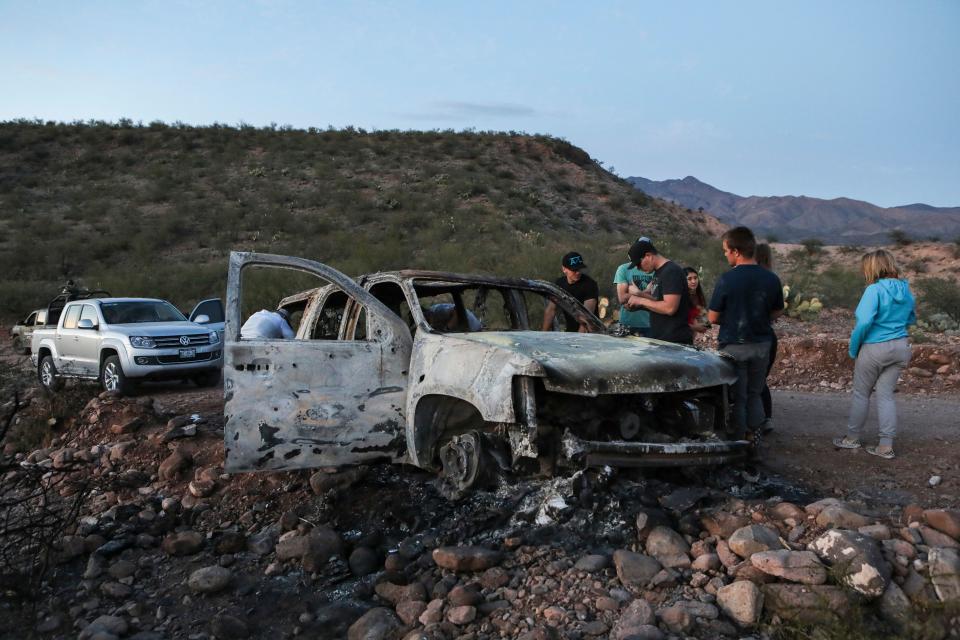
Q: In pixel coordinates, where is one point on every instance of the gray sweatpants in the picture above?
(877, 368)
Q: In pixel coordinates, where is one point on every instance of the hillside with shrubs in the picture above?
(155, 209)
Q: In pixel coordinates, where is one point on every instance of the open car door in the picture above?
(314, 402)
(213, 310)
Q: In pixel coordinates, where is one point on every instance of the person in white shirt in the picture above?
(267, 325)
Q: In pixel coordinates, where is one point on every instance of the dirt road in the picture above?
(928, 444)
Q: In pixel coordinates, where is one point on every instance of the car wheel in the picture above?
(47, 374)
(466, 461)
(207, 378)
(112, 377)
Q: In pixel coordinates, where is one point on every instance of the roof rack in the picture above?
(69, 294)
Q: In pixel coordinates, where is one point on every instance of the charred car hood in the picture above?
(594, 364)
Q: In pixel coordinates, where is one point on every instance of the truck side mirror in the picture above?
(202, 319)
(86, 323)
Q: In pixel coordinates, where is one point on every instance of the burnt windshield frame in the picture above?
(432, 285)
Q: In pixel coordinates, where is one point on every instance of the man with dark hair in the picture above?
(745, 300)
(579, 285)
(635, 321)
(665, 297)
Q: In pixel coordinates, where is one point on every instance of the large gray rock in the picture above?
(114, 625)
(635, 569)
(857, 558)
(809, 604)
(945, 573)
(841, 518)
(742, 601)
(466, 558)
(592, 563)
(632, 621)
(668, 547)
(752, 539)
(209, 579)
(894, 604)
(377, 624)
(795, 566)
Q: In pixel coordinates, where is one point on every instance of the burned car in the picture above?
(445, 372)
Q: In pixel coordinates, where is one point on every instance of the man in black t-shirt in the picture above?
(579, 285)
(666, 297)
(744, 301)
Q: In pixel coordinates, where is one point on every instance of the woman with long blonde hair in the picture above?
(880, 346)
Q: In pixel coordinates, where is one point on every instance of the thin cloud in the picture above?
(461, 110)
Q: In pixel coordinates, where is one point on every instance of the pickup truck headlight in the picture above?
(214, 337)
(144, 342)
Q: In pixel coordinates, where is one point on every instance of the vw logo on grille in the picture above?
(184, 340)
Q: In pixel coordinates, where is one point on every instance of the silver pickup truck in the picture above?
(448, 372)
(120, 341)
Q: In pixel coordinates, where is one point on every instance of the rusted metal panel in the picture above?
(306, 403)
(451, 365)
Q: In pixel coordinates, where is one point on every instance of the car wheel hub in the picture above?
(111, 378)
(46, 374)
(461, 458)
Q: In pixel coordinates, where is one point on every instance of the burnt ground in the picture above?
(394, 507)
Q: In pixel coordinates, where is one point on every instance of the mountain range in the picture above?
(795, 218)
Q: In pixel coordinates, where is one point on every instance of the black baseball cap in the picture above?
(573, 261)
(639, 249)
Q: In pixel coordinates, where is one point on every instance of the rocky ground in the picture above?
(165, 545)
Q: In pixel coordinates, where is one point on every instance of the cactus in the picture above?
(799, 308)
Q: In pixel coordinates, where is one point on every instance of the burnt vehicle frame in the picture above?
(368, 378)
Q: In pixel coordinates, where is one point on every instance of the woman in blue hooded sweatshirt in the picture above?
(880, 346)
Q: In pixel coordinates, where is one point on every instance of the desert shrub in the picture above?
(900, 237)
(939, 295)
(812, 246)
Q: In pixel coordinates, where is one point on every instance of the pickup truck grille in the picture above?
(170, 342)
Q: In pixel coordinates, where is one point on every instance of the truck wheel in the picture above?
(47, 374)
(466, 462)
(207, 378)
(112, 377)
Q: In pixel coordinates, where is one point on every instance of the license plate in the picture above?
(187, 354)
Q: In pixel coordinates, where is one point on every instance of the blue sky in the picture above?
(825, 99)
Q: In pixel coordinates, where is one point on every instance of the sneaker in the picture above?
(766, 426)
(846, 443)
(881, 452)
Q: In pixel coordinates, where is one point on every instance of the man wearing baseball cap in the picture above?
(636, 322)
(666, 298)
(579, 285)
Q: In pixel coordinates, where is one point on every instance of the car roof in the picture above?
(102, 300)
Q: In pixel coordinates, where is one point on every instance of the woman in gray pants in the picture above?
(880, 346)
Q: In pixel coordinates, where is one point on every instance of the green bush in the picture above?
(939, 295)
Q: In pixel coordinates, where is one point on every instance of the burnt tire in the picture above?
(207, 378)
(112, 377)
(47, 374)
(466, 462)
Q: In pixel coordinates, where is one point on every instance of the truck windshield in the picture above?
(140, 311)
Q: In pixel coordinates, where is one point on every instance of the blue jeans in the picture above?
(751, 360)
